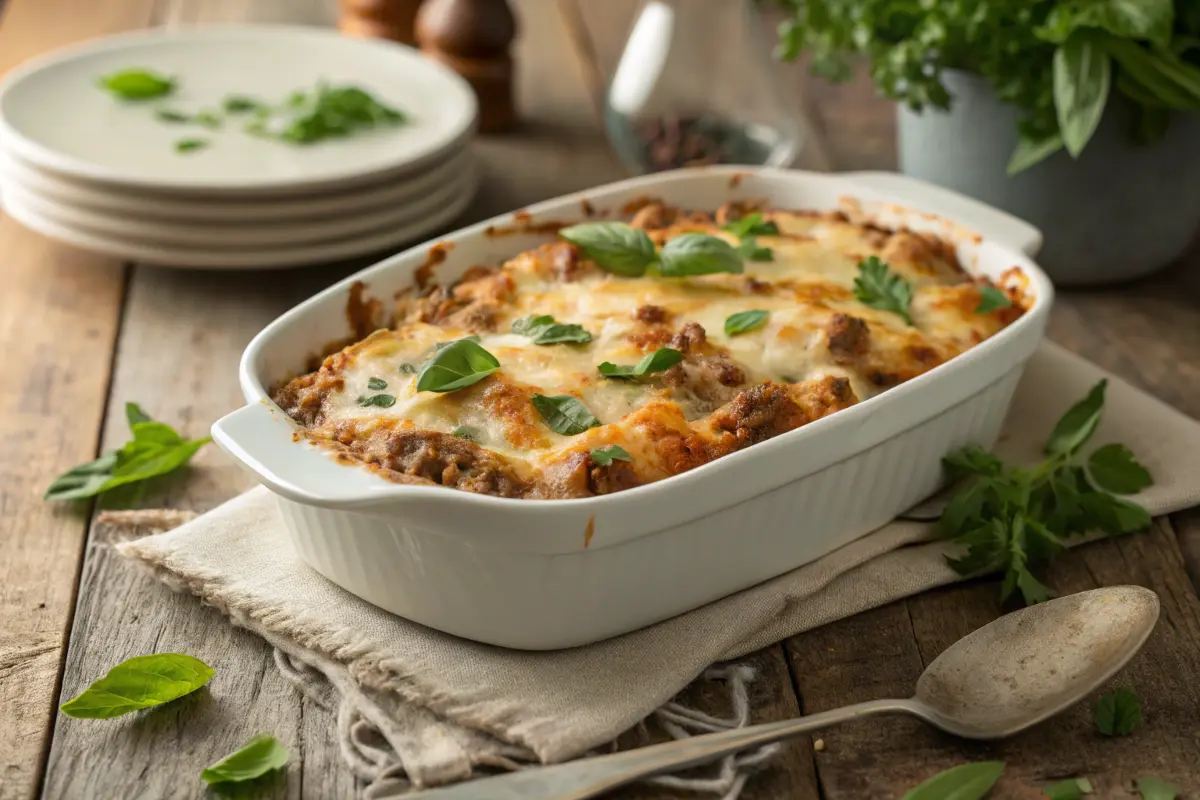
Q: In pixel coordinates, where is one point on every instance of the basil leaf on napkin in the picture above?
(878, 287)
(137, 84)
(698, 254)
(617, 247)
(564, 414)
(1077, 425)
(260, 755)
(545, 330)
(156, 449)
(745, 321)
(605, 456)
(1113, 468)
(141, 682)
(992, 299)
(964, 782)
(456, 365)
(661, 359)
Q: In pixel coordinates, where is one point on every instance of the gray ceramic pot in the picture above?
(1120, 211)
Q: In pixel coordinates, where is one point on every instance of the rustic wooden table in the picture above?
(81, 334)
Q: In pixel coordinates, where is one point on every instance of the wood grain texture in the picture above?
(881, 654)
(59, 310)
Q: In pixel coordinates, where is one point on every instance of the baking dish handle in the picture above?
(262, 438)
(991, 223)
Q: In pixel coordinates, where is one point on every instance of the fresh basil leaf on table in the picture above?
(260, 755)
(1070, 789)
(1118, 713)
(964, 782)
(617, 247)
(456, 365)
(137, 84)
(661, 359)
(564, 414)
(155, 449)
(1151, 788)
(745, 321)
(992, 299)
(544, 330)
(605, 456)
(878, 287)
(698, 254)
(140, 682)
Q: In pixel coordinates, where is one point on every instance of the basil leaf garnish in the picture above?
(376, 384)
(137, 84)
(617, 247)
(463, 432)
(377, 400)
(544, 330)
(750, 251)
(456, 365)
(141, 682)
(188, 145)
(472, 338)
(170, 115)
(240, 104)
(752, 225)
(661, 359)
(605, 456)
(564, 414)
(878, 287)
(698, 254)
(992, 299)
(155, 449)
(408, 369)
(745, 321)
(260, 755)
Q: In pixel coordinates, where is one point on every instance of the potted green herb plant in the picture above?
(1077, 115)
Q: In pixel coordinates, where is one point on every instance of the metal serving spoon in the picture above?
(1011, 674)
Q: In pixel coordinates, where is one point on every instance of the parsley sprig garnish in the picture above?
(878, 287)
(1011, 518)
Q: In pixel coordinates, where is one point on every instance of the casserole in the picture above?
(540, 574)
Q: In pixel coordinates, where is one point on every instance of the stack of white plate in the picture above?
(81, 166)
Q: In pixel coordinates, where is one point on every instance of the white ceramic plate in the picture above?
(53, 114)
(367, 243)
(246, 234)
(394, 190)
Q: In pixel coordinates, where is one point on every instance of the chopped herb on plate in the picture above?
(137, 84)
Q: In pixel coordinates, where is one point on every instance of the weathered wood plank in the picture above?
(881, 653)
(59, 311)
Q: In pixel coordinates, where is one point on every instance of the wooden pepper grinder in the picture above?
(383, 19)
(473, 38)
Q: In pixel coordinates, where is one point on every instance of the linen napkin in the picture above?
(417, 707)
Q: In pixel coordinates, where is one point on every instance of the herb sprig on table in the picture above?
(155, 449)
(1012, 518)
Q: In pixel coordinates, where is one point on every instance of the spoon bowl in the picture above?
(1031, 664)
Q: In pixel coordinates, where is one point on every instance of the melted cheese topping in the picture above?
(816, 330)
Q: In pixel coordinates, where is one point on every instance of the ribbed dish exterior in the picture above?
(536, 601)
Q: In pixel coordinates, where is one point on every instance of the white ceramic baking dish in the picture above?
(557, 573)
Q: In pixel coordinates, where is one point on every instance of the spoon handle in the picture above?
(591, 777)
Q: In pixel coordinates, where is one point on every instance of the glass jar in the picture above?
(696, 84)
